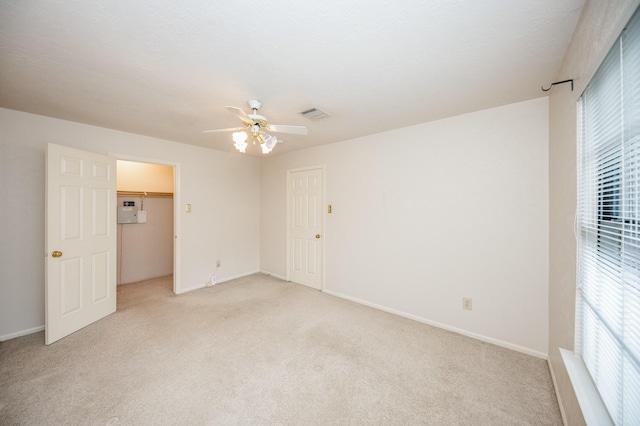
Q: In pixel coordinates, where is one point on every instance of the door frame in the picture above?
(323, 220)
(176, 209)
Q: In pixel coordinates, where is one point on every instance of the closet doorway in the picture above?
(146, 231)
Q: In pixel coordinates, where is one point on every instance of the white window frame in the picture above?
(608, 288)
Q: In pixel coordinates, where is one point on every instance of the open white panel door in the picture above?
(80, 229)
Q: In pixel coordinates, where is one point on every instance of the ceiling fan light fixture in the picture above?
(267, 143)
(270, 141)
(265, 148)
(239, 136)
(240, 141)
(254, 126)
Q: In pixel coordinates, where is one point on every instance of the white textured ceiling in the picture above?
(167, 68)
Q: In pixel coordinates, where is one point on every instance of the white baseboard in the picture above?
(280, 277)
(41, 328)
(235, 277)
(480, 337)
(188, 289)
(21, 333)
(476, 336)
(203, 285)
(558, 397)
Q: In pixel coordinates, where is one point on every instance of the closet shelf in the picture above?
(142, 194)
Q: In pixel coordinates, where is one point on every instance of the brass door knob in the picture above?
(317, 235)
(56, 253)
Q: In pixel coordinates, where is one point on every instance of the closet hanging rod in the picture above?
(144, 194)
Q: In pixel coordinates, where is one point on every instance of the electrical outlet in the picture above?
(218, 263)
(213, 280)
(467, 303)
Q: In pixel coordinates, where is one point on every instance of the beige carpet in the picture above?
(258, 350)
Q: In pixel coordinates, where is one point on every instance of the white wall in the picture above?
(222, 188)
(425, 215)
(144, 177)
(597, 29)
(145, 250)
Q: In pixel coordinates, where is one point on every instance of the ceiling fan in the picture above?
(256, 126)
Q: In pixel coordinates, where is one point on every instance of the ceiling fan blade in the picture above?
(232, 129)
(240, 114)
(282, 128)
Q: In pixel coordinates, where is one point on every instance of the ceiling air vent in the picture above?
(313, 114)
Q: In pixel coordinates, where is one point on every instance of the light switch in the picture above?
(188, 208)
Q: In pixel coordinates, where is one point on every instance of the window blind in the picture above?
(608, 288)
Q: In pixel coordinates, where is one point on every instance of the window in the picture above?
(608, 293)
